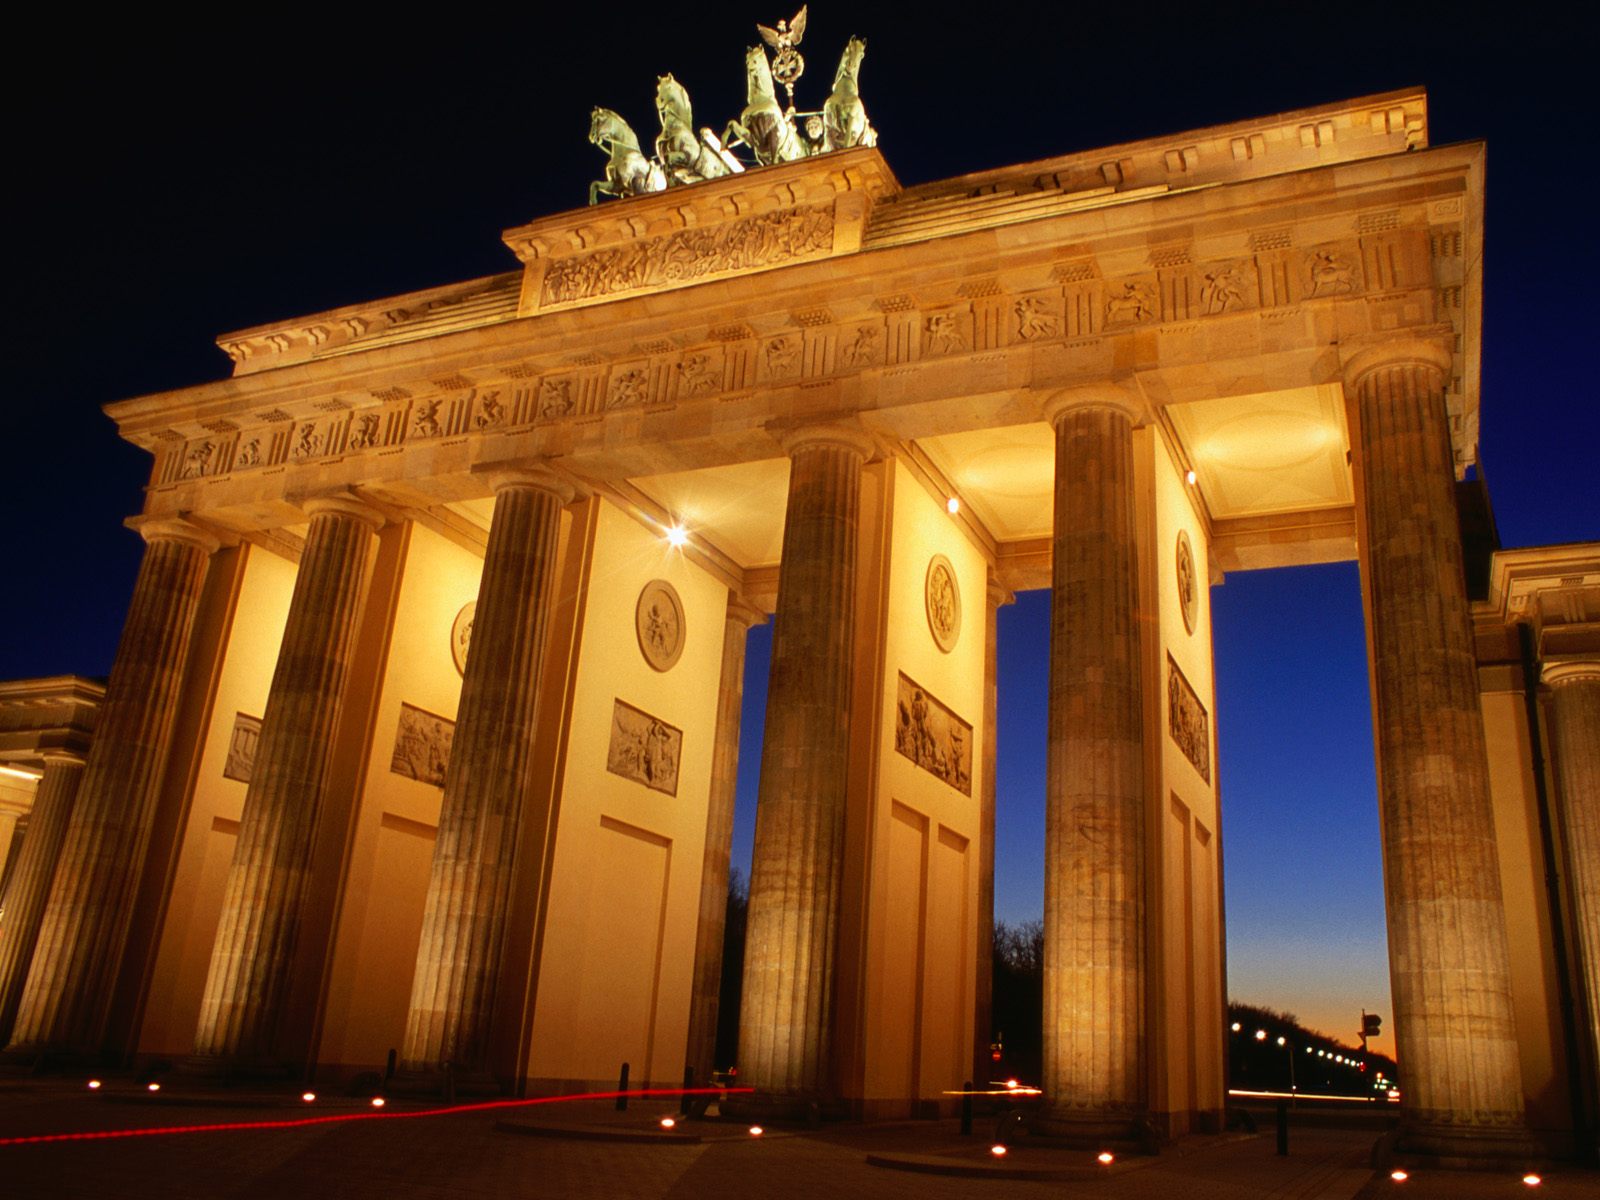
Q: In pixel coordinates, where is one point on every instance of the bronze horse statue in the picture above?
(679, 149)
(628, 172)
(763, 126)
(844, 117)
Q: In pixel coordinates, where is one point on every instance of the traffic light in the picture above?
(1371, 1025)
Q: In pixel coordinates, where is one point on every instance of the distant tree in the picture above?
(1019, 998)
(732, 970)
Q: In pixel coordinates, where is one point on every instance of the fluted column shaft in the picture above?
(463, 929)
(1575, 705)
(76, 957)
(267, 881)
(983, 1006)
(1446, 920)
(28, 884)
(704, 1001)
(786, 1015)
(1094, 924)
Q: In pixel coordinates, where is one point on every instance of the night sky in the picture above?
(168, 184)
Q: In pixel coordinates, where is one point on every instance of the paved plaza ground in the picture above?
(405, 1153)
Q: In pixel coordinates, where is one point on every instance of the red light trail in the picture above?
(337, 1118)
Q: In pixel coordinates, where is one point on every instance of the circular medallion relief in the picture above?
(1188, 585)
(944, 603)
(659, 620)
(461, 635)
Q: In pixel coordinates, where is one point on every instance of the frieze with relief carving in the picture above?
(686, 255)
(644, 748)
(1187, 721)
(932, 736)
(422, 745)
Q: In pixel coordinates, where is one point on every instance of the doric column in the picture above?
(28, 883)
(1094, 924)
(786, 1014)
(463, 929)
(266, 887)
(66, 999)
(703, 1003)
(1575, 704)
(1446, 920)
(983, 1008)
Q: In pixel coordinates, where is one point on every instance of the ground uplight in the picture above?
(308, 1097)
(1398, 1175)
(153, 1087)
(668, 1123)
(1105, 1158)
(1532, 1180)
(94, 1085)
(756, 1131)
(378, 1102)
(997, 1150)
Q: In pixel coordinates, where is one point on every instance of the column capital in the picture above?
(846, 436)
(533, 477)
(63, 758)
(345, 505)
(175, 529)
(1560, 672)
(745, 613)
(1000, 595)
(1359, 360)
(1112, 395)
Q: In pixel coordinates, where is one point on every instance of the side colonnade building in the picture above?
(423, 731)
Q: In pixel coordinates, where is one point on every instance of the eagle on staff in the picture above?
(787, 64)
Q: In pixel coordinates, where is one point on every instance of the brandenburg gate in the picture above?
(424, 727)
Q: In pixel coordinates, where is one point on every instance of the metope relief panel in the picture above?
(422, 745)
(932, 736)
(644, 749)
(241, 760)
(1187, 721)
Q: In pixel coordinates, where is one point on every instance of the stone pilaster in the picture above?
(28, 883)
(983, 958)
(78, 952)
(267, 881)
(1446, 919)
(463, 930)
(1094, 919)
(1575, 712)
(703, 1002)
(787, 1013)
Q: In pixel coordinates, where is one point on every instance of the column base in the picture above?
(1460, 1147)
(1089, 1129)
(785, 1108)
(447, 1084)
(226, 1072)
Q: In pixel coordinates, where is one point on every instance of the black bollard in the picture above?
(1283, 1127)
(966, 1109)
(622, 1089)
(688, 1082)
(388, 1066)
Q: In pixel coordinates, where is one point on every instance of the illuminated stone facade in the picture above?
(877, 411)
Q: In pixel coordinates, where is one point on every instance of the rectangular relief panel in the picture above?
(644, 749)
(1187, 721)
(422, 745)
(242, 742)
(932, 736)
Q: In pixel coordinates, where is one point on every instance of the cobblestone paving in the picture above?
(446, 1157)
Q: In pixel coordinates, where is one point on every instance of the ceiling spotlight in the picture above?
(1189, 478)
(952, 505)
(677, 535)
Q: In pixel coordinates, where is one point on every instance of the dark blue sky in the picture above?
(169, 182)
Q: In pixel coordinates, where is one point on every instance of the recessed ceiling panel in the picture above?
(1006, 476)
(1270, 453)
(738, 509)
